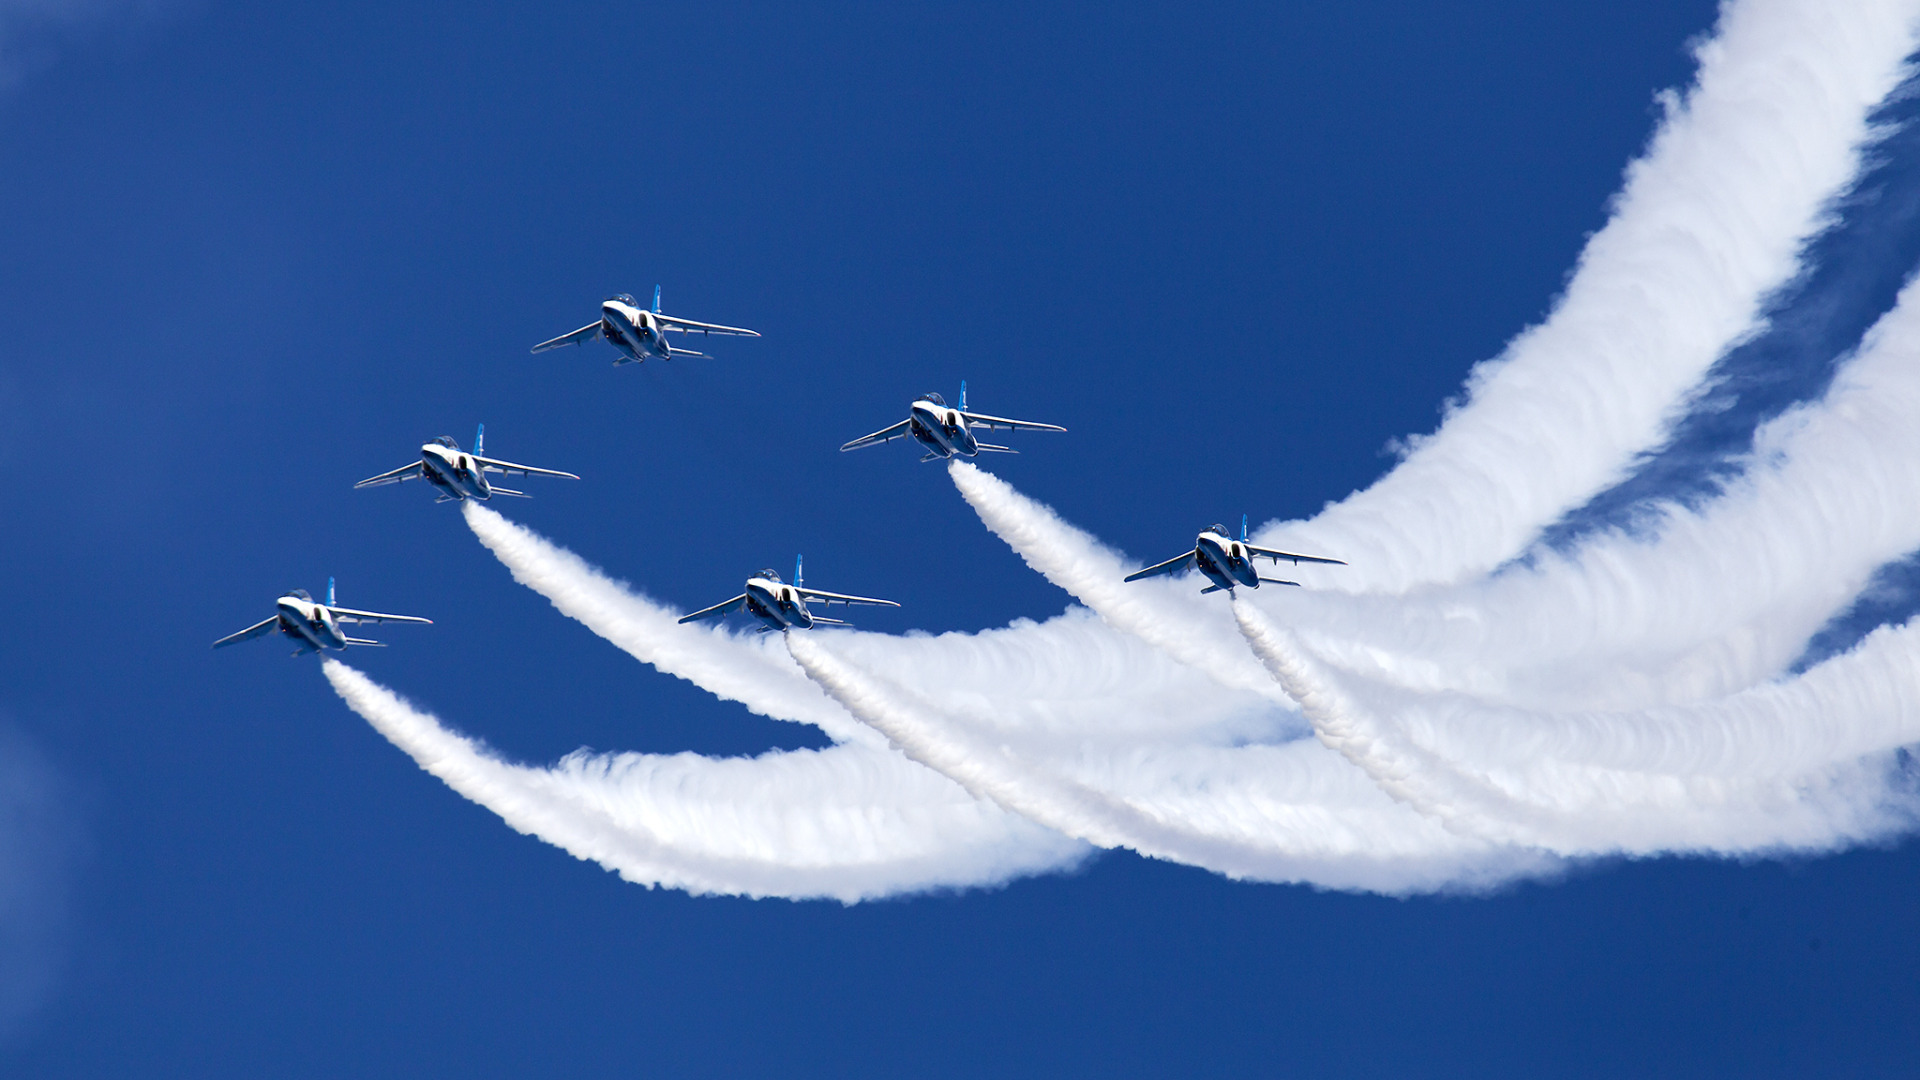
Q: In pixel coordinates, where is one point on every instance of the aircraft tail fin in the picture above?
(480, 441)
(963, 395)
(656, 299)
(329, 591)
(992, 449)
(1243, 528)
(799, 567)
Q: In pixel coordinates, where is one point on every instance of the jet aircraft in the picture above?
(314, 625)
(639, 333)
(780, 606)
(458, 474)
(945, 430)
(1227, 562)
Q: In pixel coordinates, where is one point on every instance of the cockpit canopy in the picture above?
(447, 441)
(1216, 527)
(769, 575)
(301, 593)
(625, 298)
(935, 398)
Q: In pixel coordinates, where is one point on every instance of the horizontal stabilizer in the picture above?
(510, 491)
(675, 350)
(1277, 581)
(823, 620)
(1211, 588)
(931, 456)
(992, 449)
(366, 641)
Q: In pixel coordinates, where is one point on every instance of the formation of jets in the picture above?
(943, 431)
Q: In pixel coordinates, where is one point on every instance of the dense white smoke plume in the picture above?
(1436, 715)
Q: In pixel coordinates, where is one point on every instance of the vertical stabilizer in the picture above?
(798, 568)
(480, 440)
(329, 590)
(1243, 528)
(656, 299)
(963, 395)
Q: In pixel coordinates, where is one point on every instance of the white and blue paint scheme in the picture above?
(1228, 562)
(458, 474)
(780, 606)
(639, 333)
(947, 431)
(315, 626)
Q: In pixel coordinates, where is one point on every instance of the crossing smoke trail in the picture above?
(1479, 707)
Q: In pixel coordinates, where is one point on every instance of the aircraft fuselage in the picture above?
(633, 330)
(310, 624)
(454, 472)
(1225, 561)
(942, 430)
(777, 605)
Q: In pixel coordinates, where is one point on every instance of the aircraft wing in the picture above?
(688, 326)
(585, 333)
(842, 598)
(349, 615)
(1001, 423)
(494, 465)
(1171, 566)
(265, 626)
(886, 434)
(1296, 560)
(727, 607)
(404, 472)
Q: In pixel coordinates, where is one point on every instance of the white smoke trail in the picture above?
(1743, 774)
(1612, 700)
(1708, 224)
(848, 823)
(1154, 611)
(753, 671)
(1289, 813)
(1720, 599)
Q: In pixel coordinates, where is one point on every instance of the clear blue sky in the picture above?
(255, 254)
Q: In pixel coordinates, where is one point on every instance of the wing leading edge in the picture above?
(1001, 423)
(404, 472)
(1276, 556)
(496, 465)
(725, 607)
(885, 434)
(589, 332)
(350, 615)
(811, 595)
(688, 326)
(264, 626)
(1171, 566)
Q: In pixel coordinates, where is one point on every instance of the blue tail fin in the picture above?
(480, 440)
(963, 395)
(798, 578)
(656, 299)
(1243, 528)
(329, 591)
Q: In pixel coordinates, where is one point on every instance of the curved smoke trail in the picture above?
(1482, 707)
